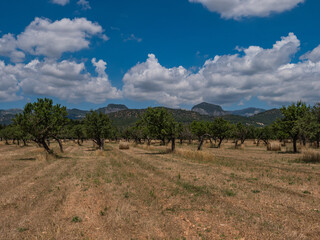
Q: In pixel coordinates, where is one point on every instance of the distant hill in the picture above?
(123, 117)
(267, 117)
(76, 114)
(209, 109)
(247, 112)
(217, 111)
(112, 108)
(130, 116)
(7, 115)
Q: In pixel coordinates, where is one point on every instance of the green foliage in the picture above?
(157, 123)
(240, 133)
(220, 129)
(290, 124)
(98, 127)
(42, 120)
(199, 129)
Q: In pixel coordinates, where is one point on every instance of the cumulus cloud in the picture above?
(237, 9)
(8, 48)
(60, 2)
(50, 39)
(8, 83)
(66, 80)
(264, 73)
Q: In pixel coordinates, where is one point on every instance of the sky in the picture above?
(87, 54)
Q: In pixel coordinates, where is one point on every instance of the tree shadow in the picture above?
(26, 159)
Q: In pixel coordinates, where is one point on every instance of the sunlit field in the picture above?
(146, 192)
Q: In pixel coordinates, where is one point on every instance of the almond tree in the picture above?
(43, 120)
(160, 125)
(98, 127)
(289, 124)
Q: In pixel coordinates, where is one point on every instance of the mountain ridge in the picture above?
(122, 116)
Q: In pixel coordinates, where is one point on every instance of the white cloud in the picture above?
(66, 80)
(51, 39)
(8, 83)
(313, 55)
(8, 48)
(61, 2)
(132, 37)
(248, 8)
(264, 73)
(84, 4)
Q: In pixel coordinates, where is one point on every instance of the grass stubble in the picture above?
(147, 192)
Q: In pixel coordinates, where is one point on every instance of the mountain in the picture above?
(76, 114)
(217, 111)
(112, 108)
(247, 112)
(267, 117)
(122, 116)
(209, 109)
(129, 117)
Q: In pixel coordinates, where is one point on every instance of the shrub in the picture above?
(311, 156)
(124, 146)
(274, 147)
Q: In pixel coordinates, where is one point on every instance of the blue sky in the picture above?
(87, 54)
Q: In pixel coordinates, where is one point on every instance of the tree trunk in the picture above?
(200, 144)
(318, 143)
(60, 144)
(295, 145)
(44, 144)
(24, 142)
(78, 142)
(173, 144)
(181, 141)
(101, 144)
(220, 142)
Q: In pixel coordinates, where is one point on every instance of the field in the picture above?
(148, 193)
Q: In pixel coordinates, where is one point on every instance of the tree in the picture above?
(78, 132)
(160, 125)
(98, 127)
(264, 134)
(289, 124)
(6, 134)
(313, 128)
(240, 133)
(220, 129)
(200, 130)
(43, 120)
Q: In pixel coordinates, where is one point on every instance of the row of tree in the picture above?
(42, 121)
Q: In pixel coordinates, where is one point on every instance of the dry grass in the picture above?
(311, 156)
(143, 193)
(124, 146)
(274, 146)
(195, 155)
(239, 146)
